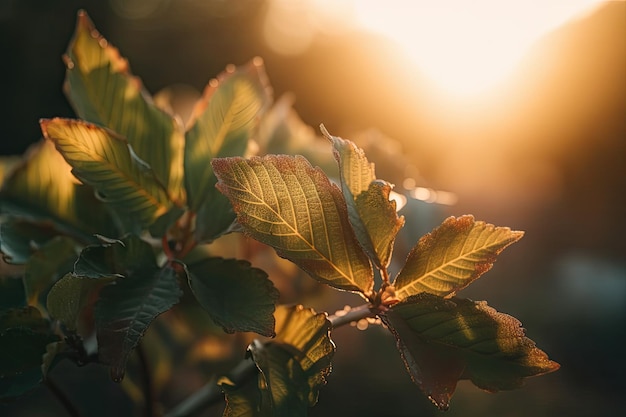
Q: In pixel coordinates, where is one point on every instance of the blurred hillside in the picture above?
(544, 153)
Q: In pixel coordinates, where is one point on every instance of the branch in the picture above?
(211, 393)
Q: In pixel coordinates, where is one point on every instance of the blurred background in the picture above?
(514, 112)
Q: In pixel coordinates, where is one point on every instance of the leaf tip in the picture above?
(325, 132)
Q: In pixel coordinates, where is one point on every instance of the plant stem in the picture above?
(146, 380)
(61, 397)
(211, 393)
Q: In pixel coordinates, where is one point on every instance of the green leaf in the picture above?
(372, 215)
(24, 335)
(70, 295)
(125, 310)
(237, 296)
(47, 265)
(20, 239)
(452, 256)
(115, 258)
(284, 202)
(291, 369)
(108, 164)
(442, 341)
(43, 188)
(103, 91)
(222, 123)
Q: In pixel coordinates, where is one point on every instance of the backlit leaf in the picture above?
(442, 341)
(237, 296)
(107, 163)
(43, 188)
(284, 202)
(372, 215)
(309, 334)
(126, 308)
(291, 368)
(103, 90)
(47, 265)
(222, 124)
(452, 256)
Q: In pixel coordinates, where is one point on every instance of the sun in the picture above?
(466, 48)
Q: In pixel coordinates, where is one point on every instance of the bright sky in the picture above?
(464, 47)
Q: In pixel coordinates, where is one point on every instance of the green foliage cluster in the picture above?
(108, 212)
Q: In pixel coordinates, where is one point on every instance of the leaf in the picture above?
(70, 295)
(291, 369)
(115, 258)
(452, 256)
(442, 341)
(102, 90)
(20, 239)
(309, 334)
(47, 265)
(221, 125)
(43, 188)
(284, 202)
(108, 164)
(125, 310)
(372, 214)
(237, 296)
(24, 335)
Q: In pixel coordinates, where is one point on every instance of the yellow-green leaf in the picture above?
(452, 256)
(43, 188)
(284, 202)
(442, 341)
(102, 90)
(291, 368)
(222, 124)
(107, 163)
(372, 214)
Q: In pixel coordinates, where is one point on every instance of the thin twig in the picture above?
(211, 393)
(146, 381)
(61, 397)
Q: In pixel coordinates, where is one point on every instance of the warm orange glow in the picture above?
(466, 48)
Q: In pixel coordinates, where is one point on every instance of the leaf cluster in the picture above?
(108, 213)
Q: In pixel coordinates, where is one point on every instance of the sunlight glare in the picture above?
(466, 48)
